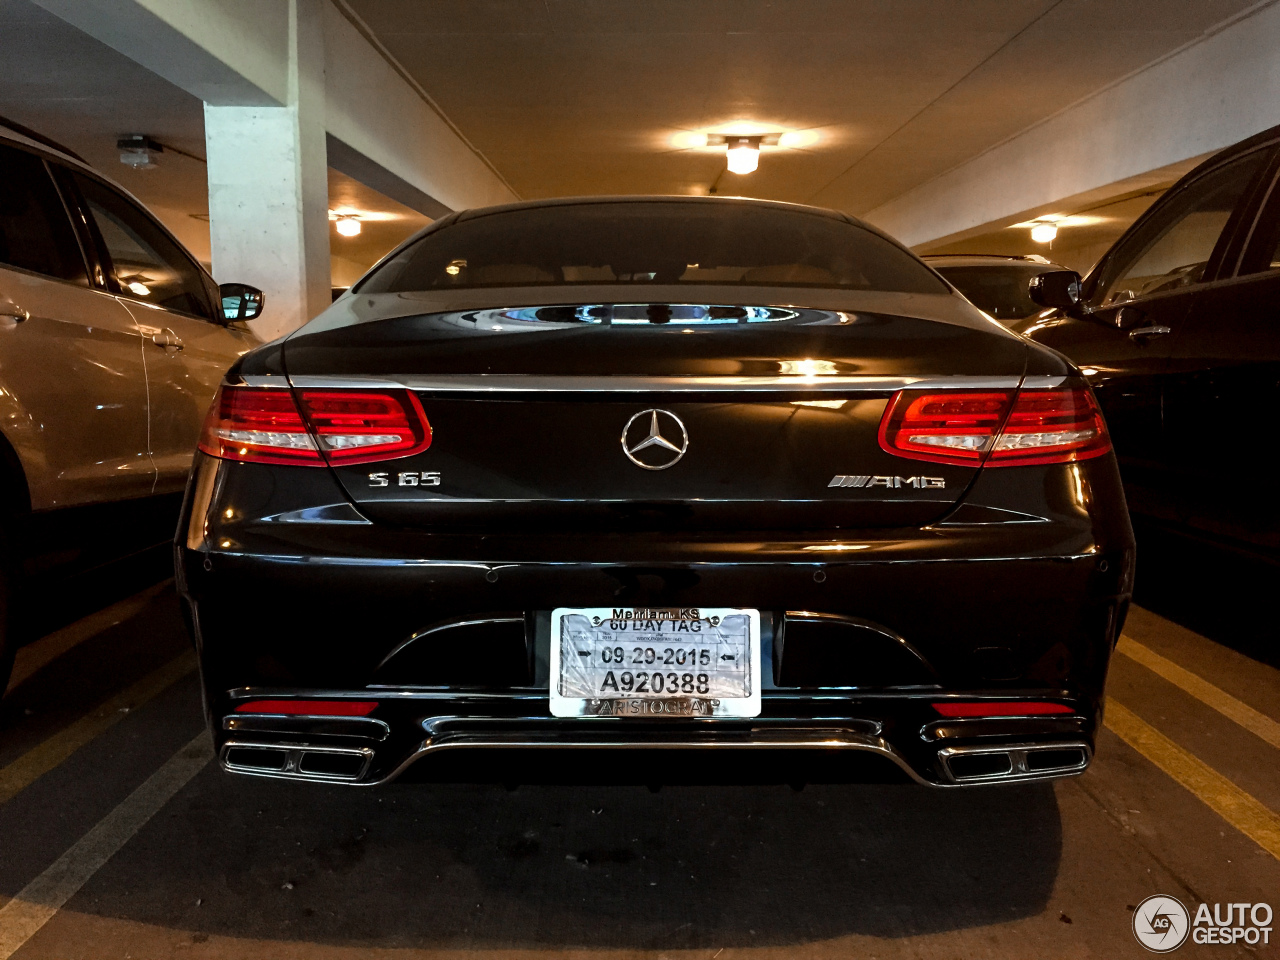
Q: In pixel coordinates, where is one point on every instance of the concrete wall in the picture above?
(1198, 100)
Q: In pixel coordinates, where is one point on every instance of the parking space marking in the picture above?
(36, 904)
(1254, 721)
(1244, 812)
(31, 658)
(39, 760)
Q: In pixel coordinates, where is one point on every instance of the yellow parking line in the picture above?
(39, 760)
(40, 900)
(1252, 720)
(34, 656)
(1240, 809)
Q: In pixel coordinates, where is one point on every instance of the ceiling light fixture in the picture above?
(348, 226)
(139, 151)
(743, 154)
(1044, 232)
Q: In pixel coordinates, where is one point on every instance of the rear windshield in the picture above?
(1001, 291)
(653, 243)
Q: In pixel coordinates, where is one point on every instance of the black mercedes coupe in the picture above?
(654, 474)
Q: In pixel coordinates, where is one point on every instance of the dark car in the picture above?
(996, 284)
(1178, 331)
(654, 473)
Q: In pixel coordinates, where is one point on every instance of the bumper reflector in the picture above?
(1001, 708)
(311, 708)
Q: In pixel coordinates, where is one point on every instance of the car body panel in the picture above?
(1190, 362)
(187, 358)
(534, 440)
(423, 586)
(101, 411)
(75, 386)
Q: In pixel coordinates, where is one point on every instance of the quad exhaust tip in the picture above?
(295, 761)
(1014, 762)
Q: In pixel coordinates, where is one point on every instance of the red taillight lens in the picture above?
(943, 427)
(1051, 426)
(999, 428)
(359, 427)
(1001, 708)
(311, 708)
(265, 425)
(258, 425)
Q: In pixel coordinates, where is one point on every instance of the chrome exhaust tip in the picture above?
(296, 761)
(1014, 762)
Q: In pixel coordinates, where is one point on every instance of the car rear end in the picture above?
(453, 530)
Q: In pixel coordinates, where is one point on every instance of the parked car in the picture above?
(995, 284)
(654, 473)
(1176, 329)
(113, 340)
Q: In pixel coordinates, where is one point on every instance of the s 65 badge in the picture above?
(406, 478)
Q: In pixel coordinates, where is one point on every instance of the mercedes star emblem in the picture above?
(654, 439)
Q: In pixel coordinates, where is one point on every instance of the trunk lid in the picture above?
(655, 416)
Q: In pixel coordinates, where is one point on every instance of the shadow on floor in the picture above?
(56, 601)
(477, 866)
(1222, 595)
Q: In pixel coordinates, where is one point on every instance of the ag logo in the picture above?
(1161, 924)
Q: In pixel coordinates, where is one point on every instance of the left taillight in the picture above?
(998, 428)
(268, 425)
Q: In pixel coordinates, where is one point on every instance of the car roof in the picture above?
(657, 198)
(18, 133)
(986, 260)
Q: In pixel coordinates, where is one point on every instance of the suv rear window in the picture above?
(653, 243)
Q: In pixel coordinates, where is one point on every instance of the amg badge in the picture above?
(920, 483)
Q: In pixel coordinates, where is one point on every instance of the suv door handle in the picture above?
(11, 311)
(1155, 330)
(168, 341)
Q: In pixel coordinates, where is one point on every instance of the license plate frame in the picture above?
(719, 630)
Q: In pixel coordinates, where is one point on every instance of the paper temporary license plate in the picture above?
(655, 662)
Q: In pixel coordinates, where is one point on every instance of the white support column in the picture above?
(268, 186)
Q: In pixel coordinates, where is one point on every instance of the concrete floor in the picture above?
(119, 839)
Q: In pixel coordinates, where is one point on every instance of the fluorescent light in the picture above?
(348, 226)
(743, 154)
(1044, 232)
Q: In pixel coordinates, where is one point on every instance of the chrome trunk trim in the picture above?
(500, 383)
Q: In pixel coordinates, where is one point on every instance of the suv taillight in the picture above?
(998, 428)
(266, 425)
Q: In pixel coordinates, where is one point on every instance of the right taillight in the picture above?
(997, 428)
(1051, 426)
(267, 425)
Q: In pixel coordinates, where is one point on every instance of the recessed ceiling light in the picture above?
(743, 154)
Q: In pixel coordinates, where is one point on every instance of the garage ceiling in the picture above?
(586, 97)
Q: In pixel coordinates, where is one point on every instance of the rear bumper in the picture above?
(411, 732)
(323, 603)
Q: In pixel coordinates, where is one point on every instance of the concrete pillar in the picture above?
(268, 186)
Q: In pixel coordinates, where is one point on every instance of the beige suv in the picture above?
(113, 340)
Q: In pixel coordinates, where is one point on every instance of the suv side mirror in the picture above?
(240, 301)
(1058, 288)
